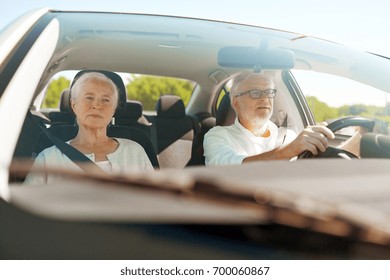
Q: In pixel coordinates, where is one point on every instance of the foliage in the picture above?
(321, 110)
(148, 89)
(53, 92)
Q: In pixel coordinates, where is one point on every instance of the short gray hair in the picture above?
(242, 76)
(76, 88)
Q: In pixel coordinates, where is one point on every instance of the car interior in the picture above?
(172, 137)
(114, 216)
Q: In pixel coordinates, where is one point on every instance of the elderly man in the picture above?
(253, 136)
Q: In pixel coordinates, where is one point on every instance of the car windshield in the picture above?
(128, 118)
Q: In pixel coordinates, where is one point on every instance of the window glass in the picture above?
(225, 90)
(148, 89)
(57, 84)
(331, 97)
(143, 88)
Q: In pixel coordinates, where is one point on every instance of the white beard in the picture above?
(260, 126)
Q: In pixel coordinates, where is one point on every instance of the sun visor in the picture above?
(256, 58)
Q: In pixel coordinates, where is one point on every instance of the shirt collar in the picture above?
(246, 131)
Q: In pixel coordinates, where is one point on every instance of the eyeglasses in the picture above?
(256, 93)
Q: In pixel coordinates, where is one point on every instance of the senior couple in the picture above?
(252, 137)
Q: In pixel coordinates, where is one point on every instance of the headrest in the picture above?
(65, 101)
(132, 111)
(225, 113)
(117, 81)
(170, 106)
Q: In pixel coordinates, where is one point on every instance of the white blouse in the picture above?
(127, 158)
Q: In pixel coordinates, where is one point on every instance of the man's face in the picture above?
(255, 112)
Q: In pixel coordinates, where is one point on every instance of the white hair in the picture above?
(77, 86)
(241, 77)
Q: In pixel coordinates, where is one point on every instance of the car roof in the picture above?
(188, 48)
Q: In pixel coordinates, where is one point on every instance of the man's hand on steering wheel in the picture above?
(367, 124)
(313, 139)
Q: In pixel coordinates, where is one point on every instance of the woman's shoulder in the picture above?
(127, 143)
(50, 151)
(51, 155)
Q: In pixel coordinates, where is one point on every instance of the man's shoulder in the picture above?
(222, 130)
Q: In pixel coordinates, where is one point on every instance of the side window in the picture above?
(49, 100)
(224, 90)
(331, 97)
(221, 94)
(53, 91)
(143, 88)
(148, 89)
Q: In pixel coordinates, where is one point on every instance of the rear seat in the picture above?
(132, 116)
(175, 132)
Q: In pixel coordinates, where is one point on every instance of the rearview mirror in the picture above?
(256, 58)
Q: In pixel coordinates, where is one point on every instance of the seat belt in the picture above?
(71, 152)
(282, 132)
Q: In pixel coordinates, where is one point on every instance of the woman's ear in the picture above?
(72, 104)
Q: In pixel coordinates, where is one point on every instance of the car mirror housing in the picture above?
(256, 58)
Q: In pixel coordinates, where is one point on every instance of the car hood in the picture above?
(300, 194)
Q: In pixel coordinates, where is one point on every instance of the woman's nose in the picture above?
(96, 104)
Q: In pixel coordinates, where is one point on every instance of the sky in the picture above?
(361, 24)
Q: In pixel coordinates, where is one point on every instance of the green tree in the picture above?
(148, 89)
(361, 110)
(53, 92)
(321, 110)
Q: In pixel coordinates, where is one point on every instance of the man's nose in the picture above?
(263, 97)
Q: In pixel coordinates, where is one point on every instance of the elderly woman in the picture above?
(94, 98)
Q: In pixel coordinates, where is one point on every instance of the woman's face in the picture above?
(95, 104)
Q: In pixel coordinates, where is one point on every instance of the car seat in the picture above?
(175, 132)
(132, 116)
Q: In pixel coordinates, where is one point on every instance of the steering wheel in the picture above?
(335, 126)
